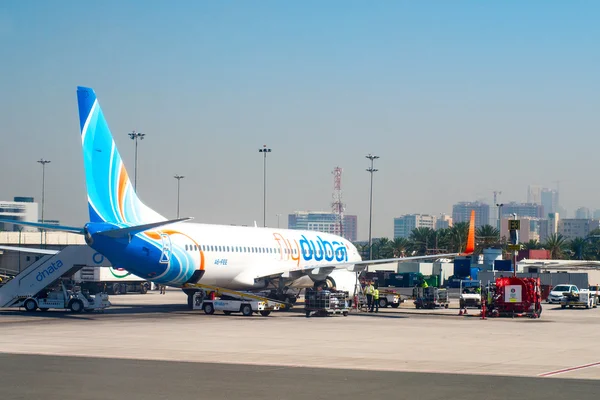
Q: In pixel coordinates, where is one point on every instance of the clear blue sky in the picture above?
(458, 98)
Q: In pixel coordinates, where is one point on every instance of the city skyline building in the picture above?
(324, 221)
(549, 199)
(461, 212)
(444, 221)
(22, 209)
(583, 213)
(532, 210)
(534, 194)
(572, 228)
(404, 225)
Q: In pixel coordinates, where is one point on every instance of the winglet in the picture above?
(471, 237)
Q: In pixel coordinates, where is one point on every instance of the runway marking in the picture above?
(565, 370)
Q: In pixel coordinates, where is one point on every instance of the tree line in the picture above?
(427, 241)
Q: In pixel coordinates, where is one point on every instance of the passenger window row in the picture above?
(246, 249)
(238, 249)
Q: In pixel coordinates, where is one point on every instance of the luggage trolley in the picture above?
(325, 302)
(430, 297)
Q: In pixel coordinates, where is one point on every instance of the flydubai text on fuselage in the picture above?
(138, 239)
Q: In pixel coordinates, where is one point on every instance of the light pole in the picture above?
(499, 216)
(371, 170)
(179, 178)
(278, 215)
(43, 162)
(264, 150)
(135, 136)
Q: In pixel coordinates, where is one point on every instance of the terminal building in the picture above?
(325, 222)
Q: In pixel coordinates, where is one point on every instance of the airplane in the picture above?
(176, 252)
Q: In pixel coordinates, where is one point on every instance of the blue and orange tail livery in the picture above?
(471, 236)
(111, 197)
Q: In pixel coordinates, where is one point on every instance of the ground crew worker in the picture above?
(375, 303)
(424, 284)
(369, 289)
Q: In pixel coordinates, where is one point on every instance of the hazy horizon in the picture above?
(457, 98)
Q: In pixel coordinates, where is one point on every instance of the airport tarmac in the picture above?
(562, 345)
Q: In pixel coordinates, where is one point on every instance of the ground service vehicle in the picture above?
(430, 297)
(578, 298)
(231, 305)
(61, 298)
(211, 298)
(389, 298)
(110, 280)
(557, 293)
(515, 297)
(470, 294)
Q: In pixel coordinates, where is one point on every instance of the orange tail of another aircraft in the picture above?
(471, 237)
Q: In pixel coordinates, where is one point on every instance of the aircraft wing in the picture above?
(355, 266)
(28, 250)
(561, 264)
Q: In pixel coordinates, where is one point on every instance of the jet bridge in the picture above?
(46, 271)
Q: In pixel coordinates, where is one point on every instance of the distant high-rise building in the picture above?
(596, 214)
(530, 229)
(549, 227)
(549, 199)
(576, 228)
(523, 210)
(404, 225)
(22, 209)
(322, 221)
(350, 226)
(461, 212)
(443, 221)
(583, 213)
(534, 194)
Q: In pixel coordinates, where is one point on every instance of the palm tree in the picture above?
(487, 235)
(532, 245)
(384, 248)
(400, 246)
(557, 245)
(421, 239)
(582, 248)
(457, 238)
(363, 249)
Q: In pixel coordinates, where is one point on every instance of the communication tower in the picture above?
(338, 207)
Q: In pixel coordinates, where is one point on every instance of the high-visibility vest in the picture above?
(369, 289)
(376, 294)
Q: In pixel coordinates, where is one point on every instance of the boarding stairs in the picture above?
(46, 271)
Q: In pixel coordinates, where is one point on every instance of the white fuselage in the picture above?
(239, 257)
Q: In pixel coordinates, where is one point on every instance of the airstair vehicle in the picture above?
(231, 301)
(31, 282)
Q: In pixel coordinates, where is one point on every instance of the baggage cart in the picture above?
(325, 302)
(430, 297)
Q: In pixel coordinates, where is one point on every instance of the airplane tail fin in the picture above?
(111, 196)
(471, 236)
